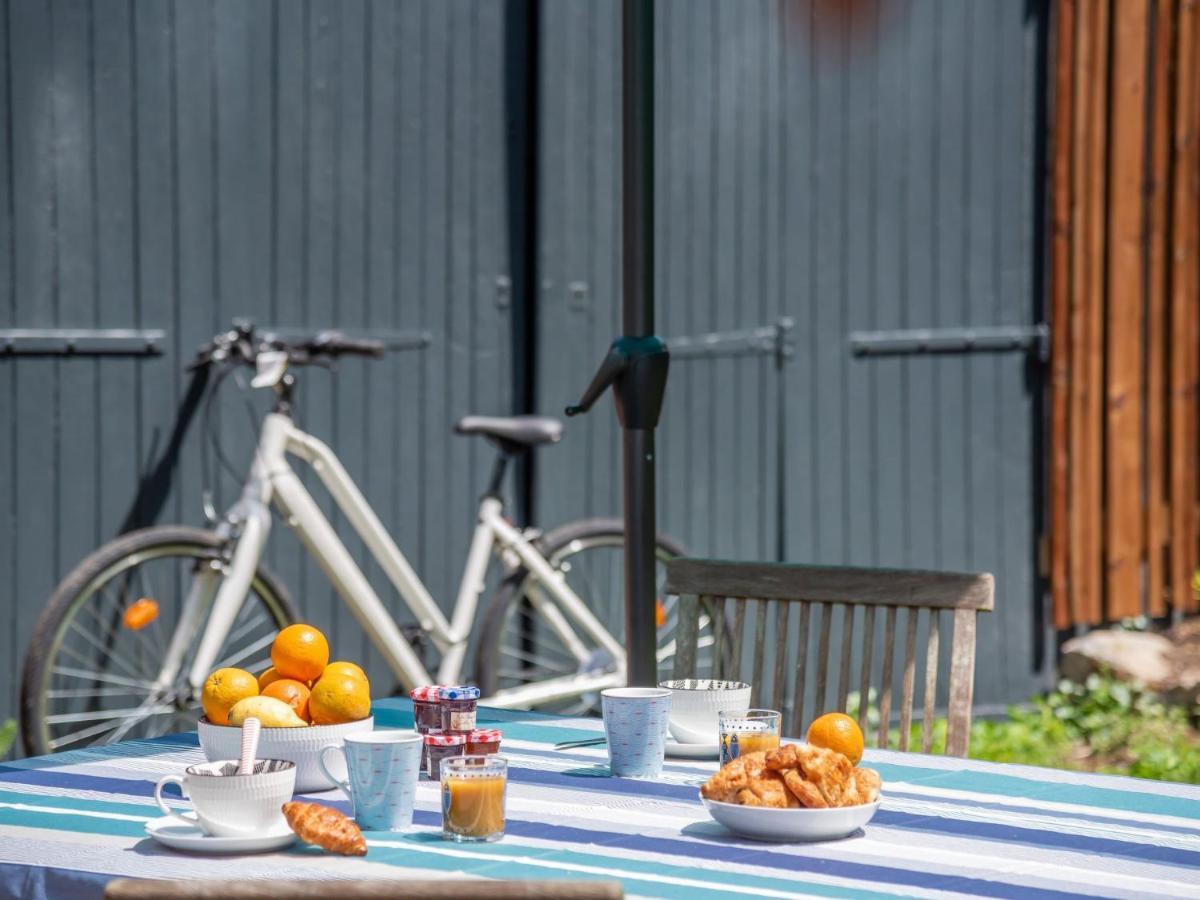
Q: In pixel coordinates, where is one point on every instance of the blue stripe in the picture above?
(716, 845)
(713, 844)
(597, 780)
(1054, 814)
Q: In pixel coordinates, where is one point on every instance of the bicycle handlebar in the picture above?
(240, 346)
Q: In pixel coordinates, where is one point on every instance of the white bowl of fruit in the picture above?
(303, 701)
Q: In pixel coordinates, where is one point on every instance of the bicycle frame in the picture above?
(272, 481)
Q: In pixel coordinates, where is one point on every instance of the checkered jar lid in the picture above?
(459, 692)
(429, 693)
(484, 736)
(445, 740)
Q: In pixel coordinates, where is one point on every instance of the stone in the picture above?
(1136, 656)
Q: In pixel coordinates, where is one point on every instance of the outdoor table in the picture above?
(71, 822)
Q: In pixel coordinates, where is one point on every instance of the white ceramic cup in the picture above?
(696, 703)
(226, 804)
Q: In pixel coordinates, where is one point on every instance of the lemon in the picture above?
(270, 712)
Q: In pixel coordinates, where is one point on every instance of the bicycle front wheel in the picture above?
(518, 644)
(92, 673)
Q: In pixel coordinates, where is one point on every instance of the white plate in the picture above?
(770, 824)
(178, 836)
(676, 750)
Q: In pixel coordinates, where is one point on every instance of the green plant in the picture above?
(8, 734)
(1103, 725)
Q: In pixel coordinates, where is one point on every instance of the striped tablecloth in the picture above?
(946, 828)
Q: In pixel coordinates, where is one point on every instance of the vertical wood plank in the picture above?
(801, 666)
(1060, 306)
(686, 631)
(885, 687)
(962, 683)
(931, 671)
(1124, 310)
(758, 693)
(864, 675)
(779, 683)
(721, 637)
(1087, 260)
(734, 668)
(1185, 285)
(847, 650)
(825, 614)
(910, 675)
(1158, 203)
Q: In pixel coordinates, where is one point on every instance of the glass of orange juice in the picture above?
(747, 731)
(473, 797)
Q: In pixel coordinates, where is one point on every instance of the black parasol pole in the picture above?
(636, 365)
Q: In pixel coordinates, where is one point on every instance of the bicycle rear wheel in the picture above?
(89, 675)
(517, 645)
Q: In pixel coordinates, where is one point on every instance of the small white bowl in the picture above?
(762, 823)
(695, 703)
(301, 745)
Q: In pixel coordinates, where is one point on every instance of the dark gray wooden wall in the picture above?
(341, 163)
(314, 164)
(886, 181)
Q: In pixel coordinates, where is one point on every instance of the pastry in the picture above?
(326, 827)
(747, 781)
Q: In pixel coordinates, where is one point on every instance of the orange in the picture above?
(140, 613)
(268, 676)
(344, 668)
(837, 731)
(339, 698)
(223, 689)
(291, 692)
(300, 652)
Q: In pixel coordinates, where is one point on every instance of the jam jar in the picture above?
(427, 708)
(439, 746)
(483, 741)
(458, 707)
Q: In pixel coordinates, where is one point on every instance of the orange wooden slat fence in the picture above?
(1125, 309)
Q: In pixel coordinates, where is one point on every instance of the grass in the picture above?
(1103, 725)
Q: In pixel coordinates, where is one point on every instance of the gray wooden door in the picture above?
(878, 182)
(174, 165)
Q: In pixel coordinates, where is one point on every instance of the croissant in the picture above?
(326, 827)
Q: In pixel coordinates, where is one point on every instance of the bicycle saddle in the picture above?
(513, 432)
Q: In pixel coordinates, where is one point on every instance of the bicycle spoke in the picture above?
(100, 676)
(83, 692)
(242, 654)
(105, 652)
(75, 737)
(65, 718)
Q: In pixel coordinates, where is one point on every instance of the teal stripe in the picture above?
(65, 822)
(637, 875)
(517, 725)
(87, 804)
(1026, 788)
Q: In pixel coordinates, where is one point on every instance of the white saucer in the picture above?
(676, 750)
(178, 836)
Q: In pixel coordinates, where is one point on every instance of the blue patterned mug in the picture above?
(383, 768)
(635, 723)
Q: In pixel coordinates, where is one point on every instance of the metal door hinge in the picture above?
(984, 339)
(81, 341)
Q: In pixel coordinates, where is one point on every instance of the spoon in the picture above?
(250, 733)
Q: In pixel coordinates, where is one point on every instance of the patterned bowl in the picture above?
(300, 745)
(696, 703)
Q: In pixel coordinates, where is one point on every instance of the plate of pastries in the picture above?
(798, 792)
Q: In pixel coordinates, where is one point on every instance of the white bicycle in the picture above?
(551, 638)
